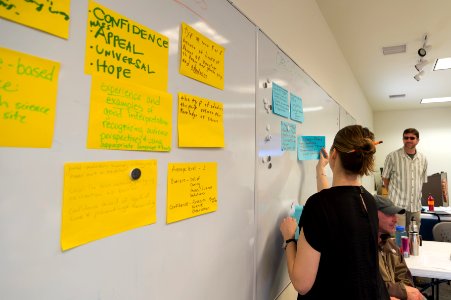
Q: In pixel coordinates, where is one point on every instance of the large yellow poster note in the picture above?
(104, 198)
(201, 58)
(49, 16)
(28, 88)
(124, 116)
(200, 122)
(192, 190)
(124, 49)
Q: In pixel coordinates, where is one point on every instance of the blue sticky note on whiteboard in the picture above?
(310, 146)
(296, 108)
(296, 212)
(288, 136)
(280, 104)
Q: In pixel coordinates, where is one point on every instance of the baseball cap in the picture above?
(387, 207)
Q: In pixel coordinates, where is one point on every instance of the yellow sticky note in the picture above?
(28, 88)
(125, 116)
(201, 58)
(200, 122)
(105, 198)
(49, 16)
(124, 49)
(192, 190)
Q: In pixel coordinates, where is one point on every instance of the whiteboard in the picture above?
(345, 118)
(206, 257)
(288, 180)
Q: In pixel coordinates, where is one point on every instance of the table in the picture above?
(433, 262)
(430, 218)
(442, 215)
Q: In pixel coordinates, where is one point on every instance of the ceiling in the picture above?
(362, 28)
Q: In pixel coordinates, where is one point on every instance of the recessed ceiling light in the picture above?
(443, 64)
(435, 100)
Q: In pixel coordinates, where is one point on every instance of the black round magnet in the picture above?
(135, 174)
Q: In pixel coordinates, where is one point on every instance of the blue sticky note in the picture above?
(310, 146)
(288, 136)
(296, 213)
(296, 108)
(280, 104)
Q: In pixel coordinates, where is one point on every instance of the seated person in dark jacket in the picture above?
(392, 265)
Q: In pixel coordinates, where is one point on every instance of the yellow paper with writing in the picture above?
(124, 116)
(49, 16)
(192, 190)
(201, 58)
(101, 199)
(200, 122)
(124, 49)
(28, 89)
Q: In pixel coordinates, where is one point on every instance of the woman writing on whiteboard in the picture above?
(336, 254)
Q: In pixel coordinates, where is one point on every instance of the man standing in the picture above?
(405, 171)
(392, 266)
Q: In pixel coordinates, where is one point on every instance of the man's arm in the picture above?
(386, 171)
(386, 182)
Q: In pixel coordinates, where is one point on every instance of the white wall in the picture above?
(299, 29)
(434, 125)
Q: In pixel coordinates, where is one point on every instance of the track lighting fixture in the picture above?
(421, 62)
(422, 52)
(418, 76)
(420, 65)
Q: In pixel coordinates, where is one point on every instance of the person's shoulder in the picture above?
(399, 151)
(395, 152)
(392, 243)
(421, 155)
(317, 198)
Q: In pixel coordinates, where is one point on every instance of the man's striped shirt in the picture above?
(406, 176)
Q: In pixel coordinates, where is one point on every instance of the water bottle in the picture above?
(400, 231)
(414, 238)
(431, 202)
(414, 243)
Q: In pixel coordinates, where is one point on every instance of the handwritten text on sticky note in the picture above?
(200, 122)
(128, 117)
(280, 104)
(28, 88)
(310, 146)
(123, 49)
(192, 190)
(201, 58)
(288, 136)
(49, 16)
(101, 199)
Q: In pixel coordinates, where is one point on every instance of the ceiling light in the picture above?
(443, 64)
(435, 100)
(422, 52)
(417, 77)
(420, 65)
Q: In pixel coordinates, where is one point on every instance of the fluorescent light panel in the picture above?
(443, 64)
(435, 100)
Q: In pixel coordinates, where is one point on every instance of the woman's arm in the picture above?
(321, 179)
(302, 259)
